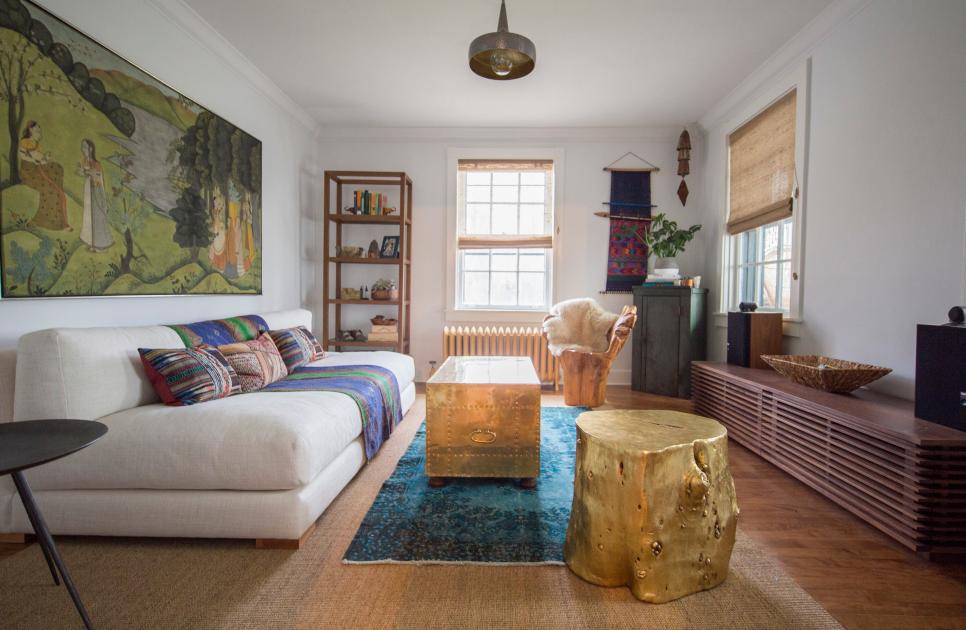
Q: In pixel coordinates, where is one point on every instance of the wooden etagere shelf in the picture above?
(338, 188)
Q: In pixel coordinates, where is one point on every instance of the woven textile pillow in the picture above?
(257, 362)
(297, 346)
(185, 376)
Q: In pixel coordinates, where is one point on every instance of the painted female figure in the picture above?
(95, 232)
(46, 177)
(216, 251)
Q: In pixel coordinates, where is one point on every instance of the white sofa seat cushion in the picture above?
(256, 441)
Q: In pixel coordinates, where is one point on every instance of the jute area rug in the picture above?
(145, 583)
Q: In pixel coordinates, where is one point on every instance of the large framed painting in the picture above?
(111, 182)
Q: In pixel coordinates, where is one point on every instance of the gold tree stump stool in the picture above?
(654, 503)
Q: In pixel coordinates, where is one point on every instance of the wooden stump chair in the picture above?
(585, 373)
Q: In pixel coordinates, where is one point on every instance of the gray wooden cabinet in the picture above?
(669, 334)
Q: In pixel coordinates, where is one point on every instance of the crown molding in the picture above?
(188, 20)
(500, 134)
(792, 53)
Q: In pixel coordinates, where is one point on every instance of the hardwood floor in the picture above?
(864, 579)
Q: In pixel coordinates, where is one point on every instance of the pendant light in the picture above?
(502, 55)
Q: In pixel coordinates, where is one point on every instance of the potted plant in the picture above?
(385, 290)
(664, 242)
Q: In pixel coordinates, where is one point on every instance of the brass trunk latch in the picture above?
(483, 436)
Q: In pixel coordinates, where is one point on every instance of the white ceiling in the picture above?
(600, 63)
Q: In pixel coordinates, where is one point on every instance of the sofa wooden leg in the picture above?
(16, 539)
(285, 543)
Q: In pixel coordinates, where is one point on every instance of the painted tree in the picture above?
(191, 222)
(127, 215)
(29, 268)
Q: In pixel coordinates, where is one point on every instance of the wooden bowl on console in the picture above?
(825, 373)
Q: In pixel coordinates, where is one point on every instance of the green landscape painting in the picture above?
(111, 182)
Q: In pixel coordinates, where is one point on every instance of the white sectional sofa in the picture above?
(260, 466)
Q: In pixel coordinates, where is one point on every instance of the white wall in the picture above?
(582, 238)
(885, 216)
(169, 41)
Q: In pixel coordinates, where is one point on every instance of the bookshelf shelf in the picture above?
(338, 192)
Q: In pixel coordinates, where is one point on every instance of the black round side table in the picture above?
(31, 443)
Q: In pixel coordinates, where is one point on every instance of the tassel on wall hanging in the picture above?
(629, 214)
(684, 164)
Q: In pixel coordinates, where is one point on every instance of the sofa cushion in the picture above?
(187, 376)
(256, 441)
(297, 346)
(256, 362)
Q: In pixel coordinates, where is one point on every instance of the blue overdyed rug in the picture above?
(473, 521)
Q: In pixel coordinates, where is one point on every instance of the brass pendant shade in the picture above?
(502, 55)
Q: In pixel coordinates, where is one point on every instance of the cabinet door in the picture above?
(662, 344)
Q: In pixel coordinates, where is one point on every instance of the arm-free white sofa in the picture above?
(259, 466)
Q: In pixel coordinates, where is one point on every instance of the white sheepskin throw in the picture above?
(579, 324)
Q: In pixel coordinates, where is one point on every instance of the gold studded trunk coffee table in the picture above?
(654, 503)
(483, 419)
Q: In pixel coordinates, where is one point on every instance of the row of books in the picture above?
(367, 202)
(676, 281)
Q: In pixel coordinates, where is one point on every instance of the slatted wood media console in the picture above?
(865, 451)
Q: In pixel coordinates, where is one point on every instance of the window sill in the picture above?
(791, 326)
(494, 316)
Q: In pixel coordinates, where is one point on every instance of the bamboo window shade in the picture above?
(497, 241)
(762, 168)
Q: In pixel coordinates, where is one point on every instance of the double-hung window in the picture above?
(505, 234)
(762, 188)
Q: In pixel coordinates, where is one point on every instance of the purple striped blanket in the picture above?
(374, 389)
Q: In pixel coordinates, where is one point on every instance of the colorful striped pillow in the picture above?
(257, 362)
(297, 346)
(185, 376)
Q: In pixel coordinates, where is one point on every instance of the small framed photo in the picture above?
(390, 247)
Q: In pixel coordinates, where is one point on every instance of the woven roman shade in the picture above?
(762, 168)
(505, 165)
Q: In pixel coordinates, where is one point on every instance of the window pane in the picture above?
(533, 260)
(505, 194)
(504, 259)
(531, 219)
(770, 250)
(747, 289)
(786, 299)
(532, 194)
(476, 287)
(478, 178)
(506, 179)
(787, 240)
(532, 287)
(503, 288)
(477, 218)
(769, 289)
(533, 178)
(749, 246)
(477, 194)
(504, 219)
(476, 260)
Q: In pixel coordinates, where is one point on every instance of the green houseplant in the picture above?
(664, 242)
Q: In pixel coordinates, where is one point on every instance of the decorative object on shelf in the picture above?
(379, 320)
(388, 211)
(374, 249)
(502, 56)
(350, 251)
(654, 504)
(629, 213)
(350, 294)
(390, 247)
(385, 290)
(352, 335)
(684, 164)
(824, 373)
(747, 307)
(664, 242)
(957, 314)
(370, 203)
(114, 183)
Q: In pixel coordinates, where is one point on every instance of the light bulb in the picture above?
(501, 64)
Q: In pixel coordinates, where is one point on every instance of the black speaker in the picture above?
(941, 374)
(751, 335)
